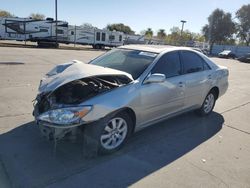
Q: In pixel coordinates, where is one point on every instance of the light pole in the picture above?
(183, 22)
(56, 21)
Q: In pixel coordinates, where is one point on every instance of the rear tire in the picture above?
(208, 104)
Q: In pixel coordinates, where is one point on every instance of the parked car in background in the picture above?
(125, 90)
(204, 51)
(245, 58)
(227, 54)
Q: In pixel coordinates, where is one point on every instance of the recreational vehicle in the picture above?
(34, 30)
(98, 38)
(44, 33)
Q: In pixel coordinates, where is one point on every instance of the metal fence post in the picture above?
(24, 25)
(75, 37)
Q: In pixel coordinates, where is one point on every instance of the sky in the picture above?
(138, 14)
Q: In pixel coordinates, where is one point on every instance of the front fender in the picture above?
(125, 96)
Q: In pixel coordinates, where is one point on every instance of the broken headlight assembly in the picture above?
(65, 116)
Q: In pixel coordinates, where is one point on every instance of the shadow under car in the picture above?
(31, 161)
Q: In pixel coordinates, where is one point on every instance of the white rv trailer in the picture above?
(29, 29)
(44, 33)
(98, 38)
(13, 29)
(81, 35)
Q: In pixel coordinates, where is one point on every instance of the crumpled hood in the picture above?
(74, 70)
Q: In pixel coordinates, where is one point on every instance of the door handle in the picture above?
(181, 84)
(209, 77)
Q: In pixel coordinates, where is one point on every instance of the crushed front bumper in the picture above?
(56, 133)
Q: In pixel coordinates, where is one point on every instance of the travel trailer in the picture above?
(44, 33)
(98, 38)
(34, 30)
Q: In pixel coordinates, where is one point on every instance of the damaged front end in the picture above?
(59, 111)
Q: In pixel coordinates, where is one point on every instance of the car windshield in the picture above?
(133, 62)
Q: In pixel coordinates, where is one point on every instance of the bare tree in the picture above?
(37, 16)
(4, 13)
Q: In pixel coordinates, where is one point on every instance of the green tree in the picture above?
(120, 27)
(4, 13)
(174, 36)
(220, 27)
(149, 33)
(243, 27)
(37, 16)
(198, 37)
(161, 34)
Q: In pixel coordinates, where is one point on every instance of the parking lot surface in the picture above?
(185, 151)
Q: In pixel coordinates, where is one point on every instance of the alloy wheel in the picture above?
(114, 133)
(209, 103)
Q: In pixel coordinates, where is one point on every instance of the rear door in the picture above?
(197, 76)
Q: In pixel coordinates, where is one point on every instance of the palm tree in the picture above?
(149, 33)
(161, 34)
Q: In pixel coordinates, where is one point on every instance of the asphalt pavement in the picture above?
(185, 151)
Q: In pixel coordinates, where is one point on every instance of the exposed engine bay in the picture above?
(78, 91)
(74, 93)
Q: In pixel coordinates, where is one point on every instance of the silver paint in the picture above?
(150, 101)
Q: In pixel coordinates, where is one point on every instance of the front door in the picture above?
(161, 99)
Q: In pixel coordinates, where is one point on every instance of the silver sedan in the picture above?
(125, 90)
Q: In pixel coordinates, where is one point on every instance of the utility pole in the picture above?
(56, 21)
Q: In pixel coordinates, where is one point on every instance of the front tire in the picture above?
(208, 104)
(107, 135)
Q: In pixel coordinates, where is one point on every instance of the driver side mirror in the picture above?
(155, 78)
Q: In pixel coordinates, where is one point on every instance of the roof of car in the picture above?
(153, 48)
(226, 51)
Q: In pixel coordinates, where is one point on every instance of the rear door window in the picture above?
(192, 62)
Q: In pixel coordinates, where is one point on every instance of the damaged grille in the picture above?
(78, 91)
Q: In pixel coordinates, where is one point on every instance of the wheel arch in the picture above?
(129, 111)
(216, 91)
